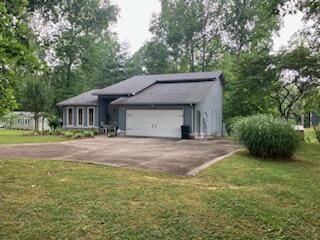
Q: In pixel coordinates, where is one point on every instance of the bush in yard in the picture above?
(57, 132)
(88, 134)
(317, 132)
(68, 134)
(46, 132)
(53, 122)
(267, 136)
(78, 135)
(95, 132)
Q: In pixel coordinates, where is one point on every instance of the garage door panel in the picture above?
(154, 123)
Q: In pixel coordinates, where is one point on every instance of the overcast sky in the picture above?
(134, 21)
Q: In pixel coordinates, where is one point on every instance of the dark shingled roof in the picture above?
(178, 88)
(168, 93)
(84, 99)
(135, 84)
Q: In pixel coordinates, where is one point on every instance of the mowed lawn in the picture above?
(238, 198)
(309, 135)
(9, 136)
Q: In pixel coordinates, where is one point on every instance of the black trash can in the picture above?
(185, 132)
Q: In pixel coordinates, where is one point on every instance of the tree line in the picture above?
(52, 50)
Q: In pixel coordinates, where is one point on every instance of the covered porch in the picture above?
(108, 114)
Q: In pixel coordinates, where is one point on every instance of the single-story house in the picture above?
(152, 105)
(24, 120)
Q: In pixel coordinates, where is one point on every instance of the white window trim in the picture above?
(70, 125)
(78, 117)
(24, 121)
(88, 116)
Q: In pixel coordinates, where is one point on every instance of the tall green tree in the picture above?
(99, 65)
(185, 30)
(246, 30)
(16, 51)
(88, 25)
(298, 75)
(248, 25)
(36, 98)
(250, 80)
(196, 34)
(83, 51)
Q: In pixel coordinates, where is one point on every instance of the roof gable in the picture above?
(169, 93)
(136, 84)
(84, 99)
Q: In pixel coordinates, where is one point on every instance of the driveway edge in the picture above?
(196, 170)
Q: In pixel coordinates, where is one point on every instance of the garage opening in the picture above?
(154, 122)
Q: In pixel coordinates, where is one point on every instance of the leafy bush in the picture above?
(30, 133)
(57, 132)
(68, 134)
(78, 135)
(229, 124)
(46, 132)
(317, 132)
(53, 122)
(266, 136)
(95, 132)
(88, 134)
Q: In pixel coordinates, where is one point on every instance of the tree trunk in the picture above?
(192, 56)
(69, 72)
(203, 56)
(36, 122)
(42, 123)
(302, 119)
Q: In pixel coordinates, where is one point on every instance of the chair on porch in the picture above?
(105, 128)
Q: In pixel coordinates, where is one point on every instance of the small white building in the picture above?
(25, 121)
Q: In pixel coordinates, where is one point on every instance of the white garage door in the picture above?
(154, 123)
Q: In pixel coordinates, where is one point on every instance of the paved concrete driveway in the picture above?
(172, 156)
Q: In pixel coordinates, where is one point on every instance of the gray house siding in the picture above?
(210, 109)
(85, 117)
(187, 116)
(103, 106)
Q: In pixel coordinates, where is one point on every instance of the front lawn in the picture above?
(8, 136)
(238, 198)
(310, 135)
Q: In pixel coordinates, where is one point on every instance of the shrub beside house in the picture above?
(267, 136)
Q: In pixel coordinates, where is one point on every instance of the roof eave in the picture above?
(153, 104)
(76, 104)
(114, 94)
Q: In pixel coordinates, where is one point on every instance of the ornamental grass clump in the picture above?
(317, 132)
(267, 136)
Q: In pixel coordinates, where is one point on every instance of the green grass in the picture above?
(238, 198)
(309, 135)
(20, 136)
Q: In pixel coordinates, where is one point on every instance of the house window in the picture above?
(90, 117)
(70, 117)
(80, 116)
(19, 121)
(26, 121)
